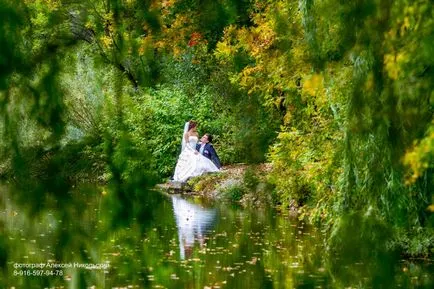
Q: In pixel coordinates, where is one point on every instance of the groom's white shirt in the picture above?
(202, 147)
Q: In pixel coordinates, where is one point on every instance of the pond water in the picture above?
(91, 239)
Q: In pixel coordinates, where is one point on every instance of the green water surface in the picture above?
(88, 238)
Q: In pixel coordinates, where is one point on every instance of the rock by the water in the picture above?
(175, 187)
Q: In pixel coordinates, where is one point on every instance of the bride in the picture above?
(190, 162)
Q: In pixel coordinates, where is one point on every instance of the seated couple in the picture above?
(195, 158)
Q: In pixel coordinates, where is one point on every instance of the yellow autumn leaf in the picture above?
(52, 5)
(418, 157)
(287, 118)
(405, 25)
(89, 25)
(391, 66)
(106, 41)
(314, 84)
(224, 50)
(393, 63)
(146, 44)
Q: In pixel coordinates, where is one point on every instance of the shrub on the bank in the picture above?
(234, 192)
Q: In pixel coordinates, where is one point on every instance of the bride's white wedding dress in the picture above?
(191, 163)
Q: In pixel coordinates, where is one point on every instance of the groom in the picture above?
(206, 149)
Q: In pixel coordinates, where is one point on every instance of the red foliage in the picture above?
(194, 39)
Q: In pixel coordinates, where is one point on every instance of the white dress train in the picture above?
(191, 163)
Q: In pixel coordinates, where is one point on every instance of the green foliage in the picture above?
(356, 239)
(417, 241)
(29, 83)
(250, 180)
(84, 102)
(162, 114)
(347, 106)
(211, 17)
(340, 95)
(234, 193)
(107, 109)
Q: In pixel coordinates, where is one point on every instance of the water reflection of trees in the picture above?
(235, 248)
(82, 228)
(60, 231)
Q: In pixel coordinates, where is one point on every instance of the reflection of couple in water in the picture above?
(193, 222)
(195, 158)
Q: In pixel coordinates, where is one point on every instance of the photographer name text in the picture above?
(49, 265)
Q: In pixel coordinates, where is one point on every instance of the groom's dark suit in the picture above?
(209, 152)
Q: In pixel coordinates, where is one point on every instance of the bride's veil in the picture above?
(183, 142)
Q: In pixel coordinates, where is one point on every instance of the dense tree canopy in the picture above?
(337, 95)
